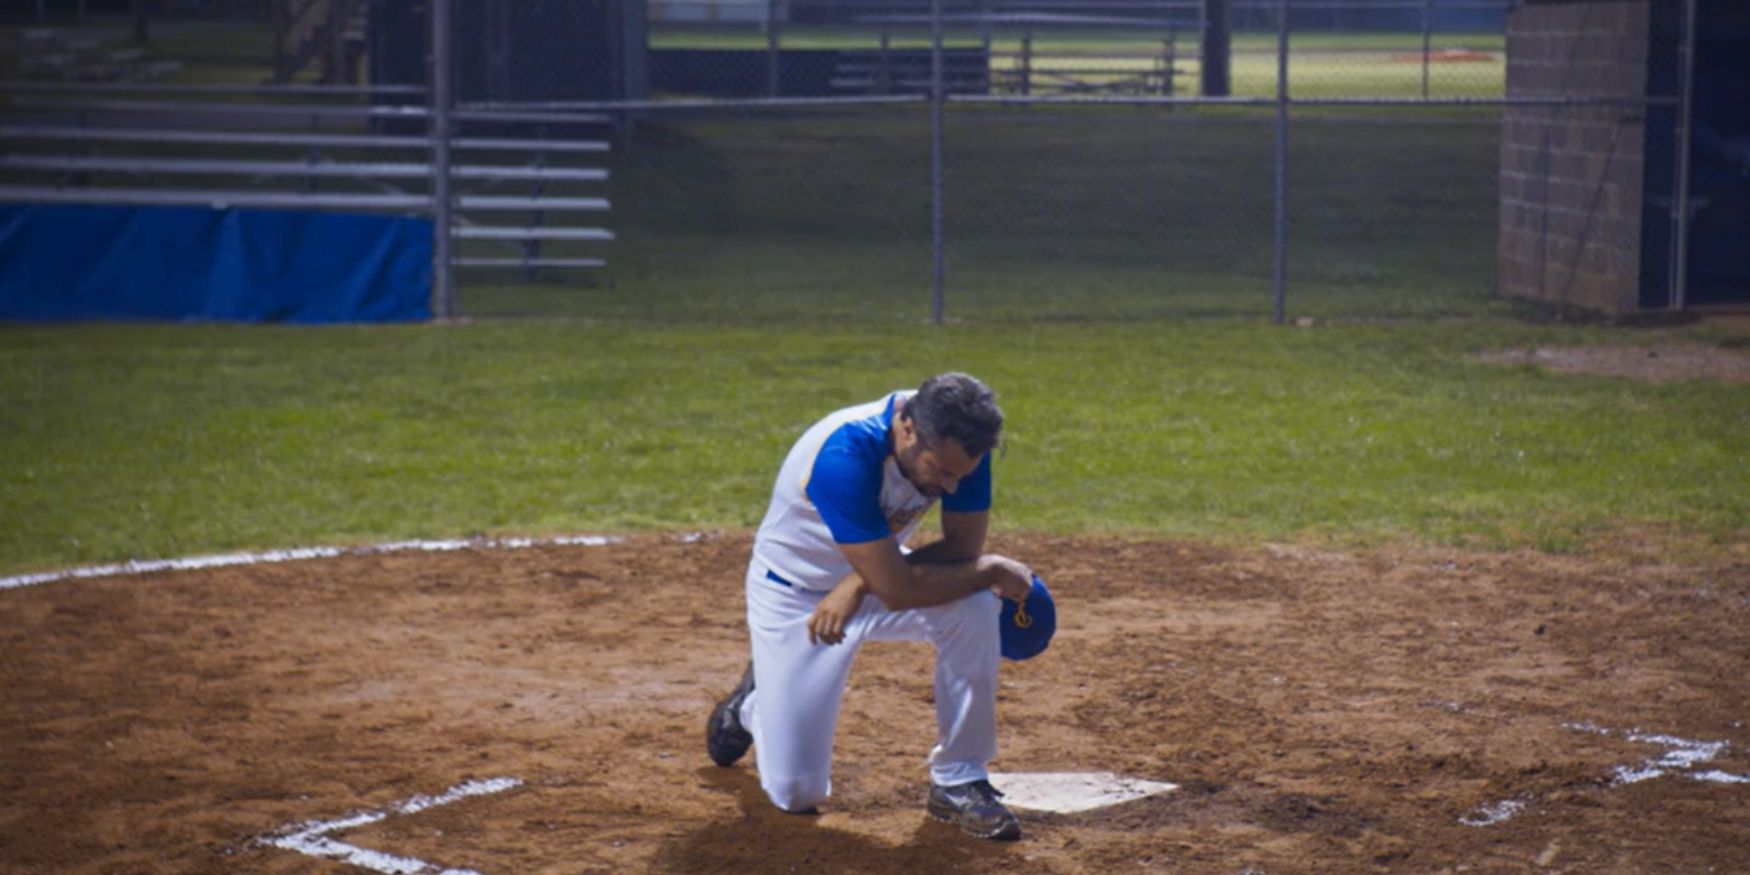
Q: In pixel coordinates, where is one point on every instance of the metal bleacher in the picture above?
(523, 183)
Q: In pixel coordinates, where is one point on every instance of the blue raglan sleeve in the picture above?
(973, 493)
(846, 490)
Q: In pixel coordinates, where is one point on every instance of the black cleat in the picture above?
(726, 740)
(975, 809)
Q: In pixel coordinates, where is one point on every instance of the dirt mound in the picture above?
(1323, 712)
(1661, 364)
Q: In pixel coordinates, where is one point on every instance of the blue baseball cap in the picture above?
(1038, 622)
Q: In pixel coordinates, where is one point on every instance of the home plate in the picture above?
(1069, 792)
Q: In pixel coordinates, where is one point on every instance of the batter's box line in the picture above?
(312, 838)
(1681, 756)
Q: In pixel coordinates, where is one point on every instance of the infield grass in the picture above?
(151, 441)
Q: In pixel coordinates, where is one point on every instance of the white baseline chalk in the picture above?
(311, 839)
(293, 555)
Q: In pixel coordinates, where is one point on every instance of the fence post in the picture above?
(884, 76)
(1170, 58)
(1279, 278)
(938, 258)
(280, 24)
(1679, 298)
(438, 128)
(137, 15)
(1027, 63)
(1215, 56)
(772, 48)
(1427, 41)
(335, 56)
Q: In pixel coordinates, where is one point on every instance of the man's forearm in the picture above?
(855, 583)
(932, 584)
(940, 552)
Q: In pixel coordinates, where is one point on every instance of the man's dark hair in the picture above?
(957, 406)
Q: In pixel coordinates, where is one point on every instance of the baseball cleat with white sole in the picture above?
(976, 808)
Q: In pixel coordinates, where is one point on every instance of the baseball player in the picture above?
(850, 493)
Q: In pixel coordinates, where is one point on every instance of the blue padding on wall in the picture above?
(63, 262)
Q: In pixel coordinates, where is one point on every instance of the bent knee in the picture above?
(797, 795)
(981, 605)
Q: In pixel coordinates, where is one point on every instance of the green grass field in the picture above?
(1109, 270)
(157, 440)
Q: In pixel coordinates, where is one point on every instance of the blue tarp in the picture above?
(69, 262)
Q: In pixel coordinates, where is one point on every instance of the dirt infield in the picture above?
(1324, 713)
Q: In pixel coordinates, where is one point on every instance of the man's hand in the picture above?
(827, 624)
(1010, 579)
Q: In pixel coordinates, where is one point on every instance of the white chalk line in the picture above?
(311, 838)
(300, 553)
(1719, 777)
(1491, 814)
(1681, 756)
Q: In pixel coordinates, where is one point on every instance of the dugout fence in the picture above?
(975, 159)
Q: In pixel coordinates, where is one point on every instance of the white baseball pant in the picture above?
(794, 708)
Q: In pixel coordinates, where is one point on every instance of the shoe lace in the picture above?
(984, 791)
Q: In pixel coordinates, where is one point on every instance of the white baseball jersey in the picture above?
(841, 485)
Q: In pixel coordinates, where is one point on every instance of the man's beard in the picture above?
(907, 462)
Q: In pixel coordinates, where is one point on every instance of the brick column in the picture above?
(1571, 177)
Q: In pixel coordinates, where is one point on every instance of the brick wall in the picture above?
(1571, 176)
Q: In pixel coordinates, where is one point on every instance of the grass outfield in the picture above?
(1065, 40)
(152, 441)
(1311, 75)
(1322, 64)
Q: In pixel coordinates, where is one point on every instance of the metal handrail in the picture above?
(286, 199)
(298, 110)
(490, 232)
(481, 110)
(21, 86)
(214, 199)
(245, 138)
(323, 169)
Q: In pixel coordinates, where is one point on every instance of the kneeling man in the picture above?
(850, 493)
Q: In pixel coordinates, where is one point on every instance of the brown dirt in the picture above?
(1657, 364)
(1325, 712)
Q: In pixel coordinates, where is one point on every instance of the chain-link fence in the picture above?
(991, 159)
